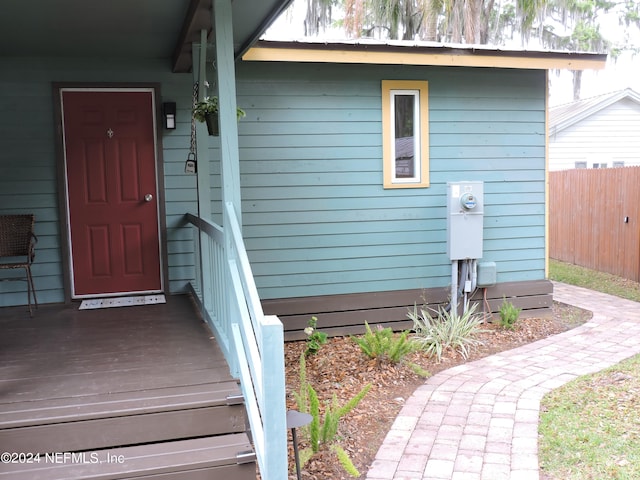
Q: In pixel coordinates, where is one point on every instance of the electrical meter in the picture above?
(465, 212)
(468, 201)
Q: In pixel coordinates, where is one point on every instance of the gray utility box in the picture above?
(465, 217)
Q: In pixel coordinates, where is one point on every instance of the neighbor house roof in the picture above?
(420, 53)
(563, 116)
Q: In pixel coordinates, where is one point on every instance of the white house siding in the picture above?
(317, 220)
(607, 136)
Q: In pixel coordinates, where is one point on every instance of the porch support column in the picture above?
(226, 77)
(199, 61)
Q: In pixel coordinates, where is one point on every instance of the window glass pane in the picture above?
(404, 106)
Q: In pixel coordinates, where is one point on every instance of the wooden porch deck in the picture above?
(136, 379)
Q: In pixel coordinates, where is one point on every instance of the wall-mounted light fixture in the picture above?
(169, 115)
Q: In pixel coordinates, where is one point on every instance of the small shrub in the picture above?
(508, 314)
(315, 338)
(381, 343)
(447, 330)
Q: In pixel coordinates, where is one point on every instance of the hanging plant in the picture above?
(207, 109)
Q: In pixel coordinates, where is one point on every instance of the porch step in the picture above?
(120, 419)
(196, 459)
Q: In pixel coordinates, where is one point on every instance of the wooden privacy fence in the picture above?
(594, 219)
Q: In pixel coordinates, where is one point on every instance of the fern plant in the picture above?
(381, 343)
(447, 330)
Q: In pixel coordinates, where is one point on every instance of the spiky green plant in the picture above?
(345, 460)
(302, 396)
(381, 344)
(445, 330)
(508, 314)
(323, 431)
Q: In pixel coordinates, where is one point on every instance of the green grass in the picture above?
(590, 428)
(602, 282)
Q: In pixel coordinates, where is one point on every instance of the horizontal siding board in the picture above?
(507, 115)
(263, 244)
(304, 152)
(310, 229)
(351, 252)
(483, 128)
(366, 124)
(489, 151)
(336, 265)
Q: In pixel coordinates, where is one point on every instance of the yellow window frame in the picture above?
(388, 132)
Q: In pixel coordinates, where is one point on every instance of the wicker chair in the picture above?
(17, 249)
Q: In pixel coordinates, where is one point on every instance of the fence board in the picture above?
(594, 219)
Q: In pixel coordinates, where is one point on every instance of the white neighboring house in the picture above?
(597, 132)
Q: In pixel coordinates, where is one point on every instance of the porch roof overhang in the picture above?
(138, 29)
(421, 53)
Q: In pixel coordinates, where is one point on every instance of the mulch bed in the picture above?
(341, 368)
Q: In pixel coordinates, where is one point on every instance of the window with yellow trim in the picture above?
(405, 131)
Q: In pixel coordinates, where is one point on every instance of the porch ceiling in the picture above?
(124, 28)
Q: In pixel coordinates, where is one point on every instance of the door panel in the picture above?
(110, 167)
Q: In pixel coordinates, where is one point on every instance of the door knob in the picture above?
(148, 197)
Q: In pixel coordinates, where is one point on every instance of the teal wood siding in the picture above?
(316, 218)
(28, 177)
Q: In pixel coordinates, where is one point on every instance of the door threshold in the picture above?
(95, 303)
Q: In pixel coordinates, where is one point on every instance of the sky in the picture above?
(618, 74)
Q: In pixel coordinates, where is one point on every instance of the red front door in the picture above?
(111, 184)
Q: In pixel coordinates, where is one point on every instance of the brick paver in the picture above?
(480, 420)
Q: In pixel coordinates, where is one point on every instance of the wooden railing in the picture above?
(252, 342)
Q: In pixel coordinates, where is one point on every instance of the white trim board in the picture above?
(95, 303)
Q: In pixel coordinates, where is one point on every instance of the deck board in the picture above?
(188, 459)
(105, 366)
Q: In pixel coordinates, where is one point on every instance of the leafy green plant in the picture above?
(448, 329)
(210, 106)
(508, 314)
(315, 338)
(382, 343)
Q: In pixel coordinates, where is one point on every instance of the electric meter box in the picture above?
(465, 218)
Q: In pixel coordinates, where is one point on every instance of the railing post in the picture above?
(275, 421)
(225, 69)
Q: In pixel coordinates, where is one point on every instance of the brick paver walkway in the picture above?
(480, 420)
